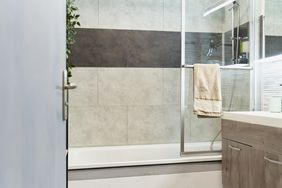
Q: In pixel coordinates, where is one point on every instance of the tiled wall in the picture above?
(157, 15)
(121, 106)
(273, 45)
(273, 27)
(269, 77)
(127, 57)
(273, 21)
(126, 48)
(197, 47)
(244, 15)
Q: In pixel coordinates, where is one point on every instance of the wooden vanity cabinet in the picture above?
(273, 171)
(247, 161)
(236, 164)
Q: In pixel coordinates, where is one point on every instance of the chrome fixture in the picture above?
(183, 95)
(214, 44)
(235, 58)
(235, 6)
(235, 67)
(217, 6)
(66, 87)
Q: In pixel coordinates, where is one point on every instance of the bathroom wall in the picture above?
(273, 21)
(273, 28)
(269, 80)
(244, 15)
(127, 58)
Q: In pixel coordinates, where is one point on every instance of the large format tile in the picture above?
(153, 124)
(87, 91)
(232, 83)
(273, 44)
(124, 48)
(187, 124)
(96, 47)
(196, 22)
(203, 129)
(172, 15)
(198, 45)
(171, 86)
(130, 86)
(199, 129)
(98, 126)
(236, 90)
(131, 14)
(89, 13)
(154, 49)
(189, 87)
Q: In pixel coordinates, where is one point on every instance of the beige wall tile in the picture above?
(195, 22)
(86, 92)
(189, 87)
(88, 11)
(236, 90)
(98, 126)
(244, 15)
(172, 15)
(131, 14)
(187, 124)
(171, 85)
(273, 21)
(203, 129)
(130, 86)
(153, 124)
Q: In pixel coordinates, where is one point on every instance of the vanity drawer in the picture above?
(273, 140)
(262, 137)
(243, 132)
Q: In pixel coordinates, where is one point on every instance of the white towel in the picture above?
(207, 90)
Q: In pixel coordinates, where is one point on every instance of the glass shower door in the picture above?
(214, 32)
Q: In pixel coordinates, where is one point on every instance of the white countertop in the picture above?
(260, 118)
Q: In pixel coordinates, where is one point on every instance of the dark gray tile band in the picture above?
(198, 45)
(273, 45)
(119, 172)
(126, 48)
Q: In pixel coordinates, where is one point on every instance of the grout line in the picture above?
(163, 15)
(98, 13)
(127, 126)
(163, 87)
(98, 70)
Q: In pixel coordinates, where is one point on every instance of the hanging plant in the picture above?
(72, 23)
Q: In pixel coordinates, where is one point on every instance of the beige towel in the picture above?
(207, 90)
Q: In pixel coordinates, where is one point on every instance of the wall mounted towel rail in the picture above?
(225, 67)
(210, 152)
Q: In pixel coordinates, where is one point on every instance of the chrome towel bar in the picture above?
(224, 67)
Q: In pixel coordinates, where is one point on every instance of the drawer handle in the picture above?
(273, 161)
(234, 148)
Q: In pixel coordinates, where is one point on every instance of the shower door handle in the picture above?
(70, 86)
(66, 87)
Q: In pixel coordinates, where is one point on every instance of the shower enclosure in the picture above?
(134, 71)
(226, 25)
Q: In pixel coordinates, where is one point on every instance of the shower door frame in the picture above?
(213, 154)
